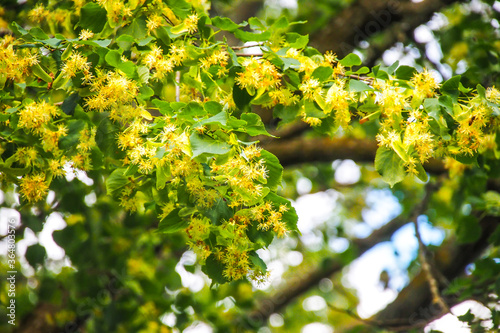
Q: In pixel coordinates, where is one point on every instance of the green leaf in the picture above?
(116, 182)
(113, 58)
(70, 103)
(274, 168)
(219, 119)
(212, 107)
(322, 73)
(258, 262)
(405, 72)
(393, 67)
(214, 270)
(173, 222)
(35, 255)
(281, 23)
(468, 229)
(256, 24)
(125, 42)
(362, 70)
(421, 174)
(290, 63)
(162, 176)
(379, 73)
(201, 144)
(351, 60)
(143, 73)
(312, 110)
(226, 24)
(38, 33)
(92, 17)
(180, 8)
(105, 137)
(481, 91)
(96, 43)
(146, 92)
(17, 29)
(137, 29)
(399, 149)
(451, 87)
(389, 165)
(287, 114)
(297, 41)
(219, 211)
(246, 36)
(40, 72)
(467, 317)
(254, 126)
(73, 135)
(241, 97)
(358, 86)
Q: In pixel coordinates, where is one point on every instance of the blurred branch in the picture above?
(414, 304)
(414, 15)
(301, 284)
(426, 268)
(365, 18)
(310, 150)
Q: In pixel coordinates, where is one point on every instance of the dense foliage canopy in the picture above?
(163, 131)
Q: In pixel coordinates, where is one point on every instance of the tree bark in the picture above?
(310, 150)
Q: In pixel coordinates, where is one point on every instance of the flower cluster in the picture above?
(112, 89)
(162, 65)
(77, 63)
(15, 63)
(34, 116)
(34, 187)
(258, 73)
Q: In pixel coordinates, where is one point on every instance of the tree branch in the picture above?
(414, 303)
(310, 150)
(365, 18)
(426, 268)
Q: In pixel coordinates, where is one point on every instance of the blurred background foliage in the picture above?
(117, 274)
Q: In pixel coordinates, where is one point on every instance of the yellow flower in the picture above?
(112, 89)
(310, 88)
(56, 167)
(493, 95)
(76, 63)
(38, 14)
(34, 187)
(258, 73)
(191, 23)
(153, 22)
(424, 84)
(33, 116)
(26, 155)
(85, 34)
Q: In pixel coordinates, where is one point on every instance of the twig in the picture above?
(19, 229)
(177, 86)
(249, 54)
(426, 267)
(243, 47)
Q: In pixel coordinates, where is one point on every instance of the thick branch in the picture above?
(301, 284)
(311, 150)
(365, 18)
